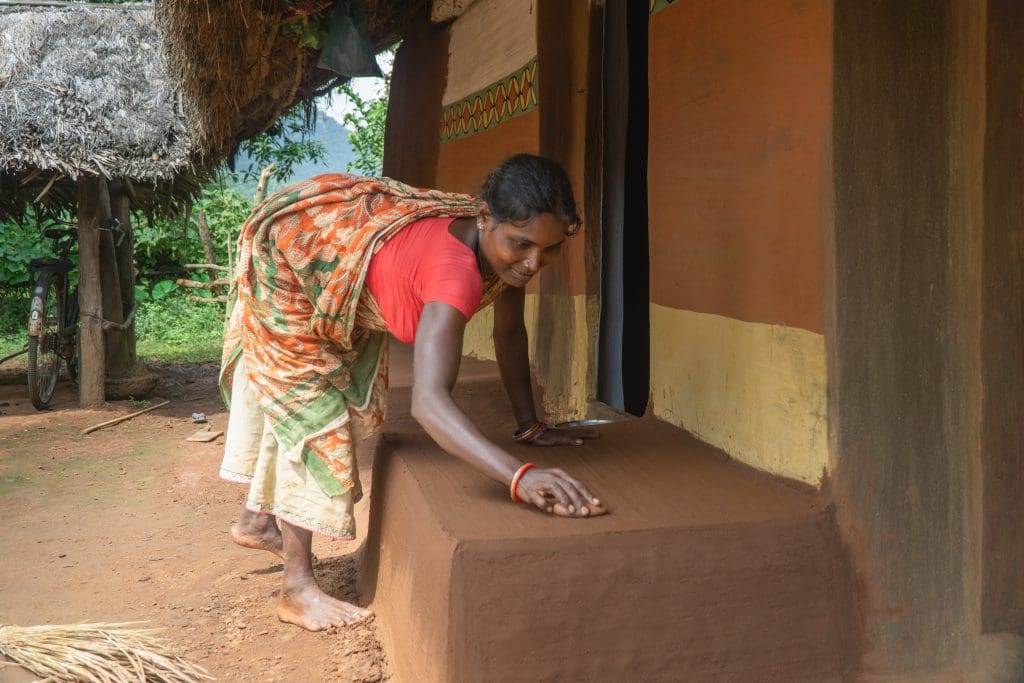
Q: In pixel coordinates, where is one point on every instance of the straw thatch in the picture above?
(96, 653)
(86, 90)
(243, 64)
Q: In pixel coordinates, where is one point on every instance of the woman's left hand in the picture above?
(553, 436)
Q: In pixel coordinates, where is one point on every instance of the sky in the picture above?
(336, 105)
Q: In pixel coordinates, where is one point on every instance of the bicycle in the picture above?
(53, 319)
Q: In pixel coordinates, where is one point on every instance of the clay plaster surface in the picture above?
(463, 164)
(904, 336)
(738, 158)
(756, 391)
(414, 108)
(489, 41)
(704, 570)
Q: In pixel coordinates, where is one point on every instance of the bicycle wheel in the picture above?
(44, 334)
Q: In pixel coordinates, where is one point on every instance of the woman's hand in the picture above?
(553, 436)
(554, 491)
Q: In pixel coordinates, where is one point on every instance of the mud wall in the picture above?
(508, 77)
(490, 109)
(904, 324)
(490, 100)
(1002, 302)
(738, 169)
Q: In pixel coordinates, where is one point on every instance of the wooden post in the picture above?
(92, 364)
(120, 209)
(116, 347)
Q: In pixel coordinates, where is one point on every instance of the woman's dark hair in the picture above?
(525, 186)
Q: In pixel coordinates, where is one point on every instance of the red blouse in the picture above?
(424, 262)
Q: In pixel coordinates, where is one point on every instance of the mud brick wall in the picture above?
(738, 181)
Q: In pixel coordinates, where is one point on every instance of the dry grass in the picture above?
(249, 70)
(96, 653)
(88, 91)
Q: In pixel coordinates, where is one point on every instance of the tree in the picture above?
(284, 144)
(366, 127)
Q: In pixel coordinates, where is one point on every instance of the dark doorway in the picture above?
(623, 363)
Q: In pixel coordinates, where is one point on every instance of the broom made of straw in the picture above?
(96, 653)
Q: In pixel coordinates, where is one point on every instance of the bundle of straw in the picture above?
(96, 653)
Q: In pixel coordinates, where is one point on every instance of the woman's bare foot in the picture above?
(260, 532)
(305, 605)
(302, 602)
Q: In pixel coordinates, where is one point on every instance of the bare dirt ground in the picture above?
(131, 523)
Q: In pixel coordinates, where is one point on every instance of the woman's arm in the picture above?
(437, 354)
(511, 348)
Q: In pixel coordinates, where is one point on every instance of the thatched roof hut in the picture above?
(245, 62)
(86, 90)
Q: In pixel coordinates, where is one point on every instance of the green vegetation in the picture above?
(287, 144)
(163, 246)
(171, 327)
(13, 318)
(366, 130)
(177, 330)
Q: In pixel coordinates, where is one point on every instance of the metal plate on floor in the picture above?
(577, 424)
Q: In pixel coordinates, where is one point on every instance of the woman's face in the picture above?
(516, 252)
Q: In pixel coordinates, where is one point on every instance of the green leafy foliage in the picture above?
(162, 289)
(170, 327)
(13, 321)
(286, 144)
(19, 244)
(174, 329)
(366, 128)
(162, 246)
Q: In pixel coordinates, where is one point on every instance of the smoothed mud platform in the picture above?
(704, 570)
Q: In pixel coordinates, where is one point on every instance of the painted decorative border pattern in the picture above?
(511, 96)
(658, 5)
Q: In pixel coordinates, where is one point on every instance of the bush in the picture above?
(174, 329)
(19, 244)
(161, 247)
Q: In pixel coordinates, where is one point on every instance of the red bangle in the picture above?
(515, 480)
(531, 433)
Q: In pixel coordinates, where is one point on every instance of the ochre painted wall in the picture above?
(551, 64)
(489, 109)
(490, 100)
(738, 163)
(756, 391)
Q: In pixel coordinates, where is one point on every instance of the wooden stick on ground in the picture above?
(116, 420)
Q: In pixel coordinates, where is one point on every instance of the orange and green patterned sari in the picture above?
(313, 341)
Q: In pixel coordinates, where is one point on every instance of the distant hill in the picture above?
(334, 137)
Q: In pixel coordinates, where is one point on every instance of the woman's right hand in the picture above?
(556, 492)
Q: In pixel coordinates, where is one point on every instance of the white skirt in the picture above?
(276, 485)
